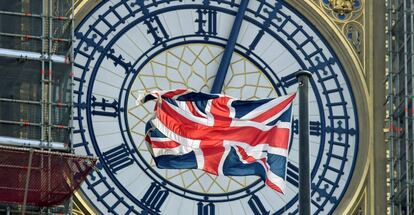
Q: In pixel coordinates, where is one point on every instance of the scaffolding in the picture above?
(399, 118)
(36, 78)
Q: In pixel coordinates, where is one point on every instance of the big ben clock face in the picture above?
(125, 47)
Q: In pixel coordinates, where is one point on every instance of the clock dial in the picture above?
(192, 66)
(126, 47)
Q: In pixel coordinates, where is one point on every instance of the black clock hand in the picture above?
(228, 51)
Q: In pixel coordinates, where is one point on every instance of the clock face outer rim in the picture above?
(357, 77)
(341, 49)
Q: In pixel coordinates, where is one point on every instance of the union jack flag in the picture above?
(221, 135)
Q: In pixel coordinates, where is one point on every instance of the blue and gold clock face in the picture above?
(125, 47)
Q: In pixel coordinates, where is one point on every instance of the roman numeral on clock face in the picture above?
(207, 22)
(118, 158)
(155, 196)
(292, 174)
(257, 206)
(105, 107)
(208, 209)
(315, 127)
(156, 30)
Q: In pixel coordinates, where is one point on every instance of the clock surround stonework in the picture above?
(363, 191)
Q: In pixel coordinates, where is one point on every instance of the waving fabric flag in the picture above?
(221, 135)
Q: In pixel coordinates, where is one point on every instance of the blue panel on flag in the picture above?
(196, 97)
(154, 132)
(171, 101)
(201, 105)
(234, 167)
(187, 161)
(277, 164)
(244, 107)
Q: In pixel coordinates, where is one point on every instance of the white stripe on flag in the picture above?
(200, 158)
(223, 159)
(278, 114)
(175, 137)
(259, 151)
(179, 150)
(210, 117)
(277, 180)
(188, 115)
(265, 107)
(278, 151)
(232, 113)
(183, 106)
(258, 125)
(160, 139)
(283, 125)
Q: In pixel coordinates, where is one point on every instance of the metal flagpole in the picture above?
(303, 77)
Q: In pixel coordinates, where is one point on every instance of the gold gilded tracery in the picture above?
(187, 67)
(349, 18)
(182, 66)
(342, 6)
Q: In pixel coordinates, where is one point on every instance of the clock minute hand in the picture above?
(228, 51)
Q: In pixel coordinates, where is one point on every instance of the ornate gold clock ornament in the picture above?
(342, 6)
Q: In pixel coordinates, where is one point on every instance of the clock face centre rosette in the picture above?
(193, 66)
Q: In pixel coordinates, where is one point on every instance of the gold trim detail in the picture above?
(349, 18)
(356, 71)
(81, 206)
(78, 5)
(342, 7)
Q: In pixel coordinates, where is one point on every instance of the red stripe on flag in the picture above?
(275, 137)
(171, 94)
(264, 162)
(220, 111)
(164, 144)
(273, 186)
(193, 109)
(212, 152)
(244, 155)
(275, 110)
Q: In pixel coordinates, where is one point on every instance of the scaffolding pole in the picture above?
(38, 34)
(400, 67)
